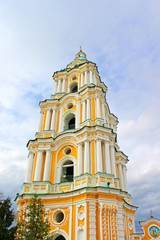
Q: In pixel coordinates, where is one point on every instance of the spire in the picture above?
(81, 55)
(79, 59)
(151, 214)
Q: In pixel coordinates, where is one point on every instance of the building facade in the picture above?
(150, 230)
(75, 164)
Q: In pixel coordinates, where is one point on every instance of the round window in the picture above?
(67, 151)
(59, 216)
(74, 78)
(70, 105)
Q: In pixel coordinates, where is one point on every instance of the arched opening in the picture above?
(67, 171)
(74, 87)
(69, 122)
(60, 238)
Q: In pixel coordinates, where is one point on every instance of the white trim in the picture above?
(92, 221)
(70, 224)
(55, 233)
(74, 102)
(59, 167)
(69, 112)
(76, 229)
(100, 218)
(85, 221)
(58, 148)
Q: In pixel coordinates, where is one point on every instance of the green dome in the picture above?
(79, 59)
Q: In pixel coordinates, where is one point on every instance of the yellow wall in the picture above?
(53, 167)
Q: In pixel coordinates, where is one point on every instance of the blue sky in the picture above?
(123, 39)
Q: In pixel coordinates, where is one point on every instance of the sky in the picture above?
(123, 38)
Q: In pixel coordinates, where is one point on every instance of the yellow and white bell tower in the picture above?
(75, 164)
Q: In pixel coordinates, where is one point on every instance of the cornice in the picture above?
(128, 206)
(149, 221)
(83, 191)
(76, 134)
(78, 68)
(121, 155)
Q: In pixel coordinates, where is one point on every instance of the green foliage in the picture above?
(34, 225)
(6, 218)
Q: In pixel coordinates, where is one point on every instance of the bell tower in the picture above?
(75, 164)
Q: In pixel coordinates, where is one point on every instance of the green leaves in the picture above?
(6, 218)
(34, 224)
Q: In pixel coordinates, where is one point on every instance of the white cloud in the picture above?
(122, 37)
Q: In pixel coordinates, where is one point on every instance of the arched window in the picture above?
(60, 238)
(69, 121)
(67, 171)
(74, 87)
(71, 124)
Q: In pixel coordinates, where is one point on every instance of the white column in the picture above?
(38, 170)
(29, 170)
(120, 224)
(113, 160)
(56, 87)
(99, 156)
(68, 90)
(79, 81)
(125, 178)
(79, 158)
(41, 122)
(64, 85)
(95, 80)
(48, 118)
(78, 108)
(92, 220)
(98, 110)
(103, 111)
(85, 75)
(121, 176)
(88, 109)
(60, 119)
(86, 156)
(82, 79)
(91, 77)
(53, 121)
(84, 112)
(47, 168)
(107, 158)
(59, 85)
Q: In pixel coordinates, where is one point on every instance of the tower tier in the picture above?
(75, 164)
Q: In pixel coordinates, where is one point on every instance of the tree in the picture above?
(6, 219)
(34, 225)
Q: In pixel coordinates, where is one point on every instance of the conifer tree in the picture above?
(34, 224)
(6, 219)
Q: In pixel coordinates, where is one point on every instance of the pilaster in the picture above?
(48, 118)
(38, 170)
(86, 156)
(107, 158)
(99, 156)
(79, 158)
(47, 168)
(113, 160)
(29, 169)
